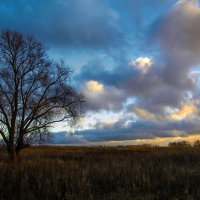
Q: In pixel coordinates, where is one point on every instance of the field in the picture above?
(101, 173)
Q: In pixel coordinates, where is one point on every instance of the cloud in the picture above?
(181, 29)
(128, 129)
(143, 78)
(144, 114)
(162, 84)
(142, 64)
(158, 77)
(178, 36)
(179, 40)
(94, 86)
(185, 111)
(142, 129)
(104, 97)
(72, 23)
(68, 139)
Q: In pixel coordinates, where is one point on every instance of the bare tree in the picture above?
(34, 92)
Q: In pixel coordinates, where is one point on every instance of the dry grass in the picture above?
(98, 173)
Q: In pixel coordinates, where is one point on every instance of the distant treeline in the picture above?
(184, 143)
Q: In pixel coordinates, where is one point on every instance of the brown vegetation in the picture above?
(132, 172)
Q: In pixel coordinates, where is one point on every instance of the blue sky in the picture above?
(137, 62)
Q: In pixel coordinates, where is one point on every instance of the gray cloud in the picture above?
(75, 23)
(143, 129)
(151, 89)
(179, 38)
(69, 139)
(109, 99)
(167, 82)
(100, 25)
(121, 131)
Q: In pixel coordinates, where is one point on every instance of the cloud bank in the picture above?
(145, 69)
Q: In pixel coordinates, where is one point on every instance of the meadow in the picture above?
(101, 173)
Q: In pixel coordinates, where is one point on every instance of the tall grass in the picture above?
(98, 173)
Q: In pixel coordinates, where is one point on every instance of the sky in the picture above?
(136, 61)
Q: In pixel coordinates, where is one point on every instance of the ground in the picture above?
(101, 173)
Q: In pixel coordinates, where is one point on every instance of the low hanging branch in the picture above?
(34, 92)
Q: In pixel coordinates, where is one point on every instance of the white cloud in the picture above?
(142, 63)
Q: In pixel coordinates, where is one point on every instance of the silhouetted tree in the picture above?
(197, 144)
(34, 92)
(179, 144)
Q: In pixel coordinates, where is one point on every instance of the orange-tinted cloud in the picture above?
(185, 111)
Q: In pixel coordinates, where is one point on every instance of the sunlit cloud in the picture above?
(185, 111)
(142, 64)
(94, 86)
(188, 6)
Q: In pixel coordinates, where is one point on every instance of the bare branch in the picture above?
(35, 92)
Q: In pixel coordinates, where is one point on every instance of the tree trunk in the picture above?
(12, 154)
(11, 147)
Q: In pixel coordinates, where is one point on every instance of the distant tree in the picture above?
(179, 144)
(197, 143)
(34, 92)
